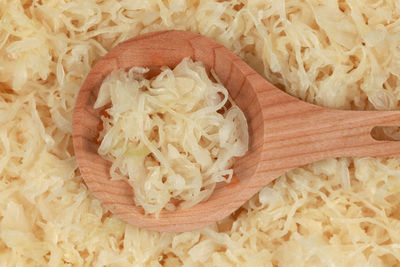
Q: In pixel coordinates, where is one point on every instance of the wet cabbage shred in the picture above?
(338, 212)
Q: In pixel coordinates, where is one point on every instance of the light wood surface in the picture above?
(285, 132)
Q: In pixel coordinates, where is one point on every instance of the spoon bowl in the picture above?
(284, 131)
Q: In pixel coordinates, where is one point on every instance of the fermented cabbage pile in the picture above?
(338, 212)
(173, 137)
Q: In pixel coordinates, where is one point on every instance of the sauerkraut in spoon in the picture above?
(174, 137)
(284, 132)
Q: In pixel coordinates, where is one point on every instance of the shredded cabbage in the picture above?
(173, 137)
(337, 212)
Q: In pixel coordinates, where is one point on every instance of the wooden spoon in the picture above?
(285, 132)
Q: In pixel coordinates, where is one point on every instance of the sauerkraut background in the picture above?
(336, 53)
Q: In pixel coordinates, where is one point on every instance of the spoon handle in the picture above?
(309, 133)
(296, 133)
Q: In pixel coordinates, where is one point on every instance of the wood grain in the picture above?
(285, 132)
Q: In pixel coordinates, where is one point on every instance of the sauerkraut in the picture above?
(337, 212)
(173, 137)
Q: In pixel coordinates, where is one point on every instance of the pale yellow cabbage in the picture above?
(173, 137)
(338, 212)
